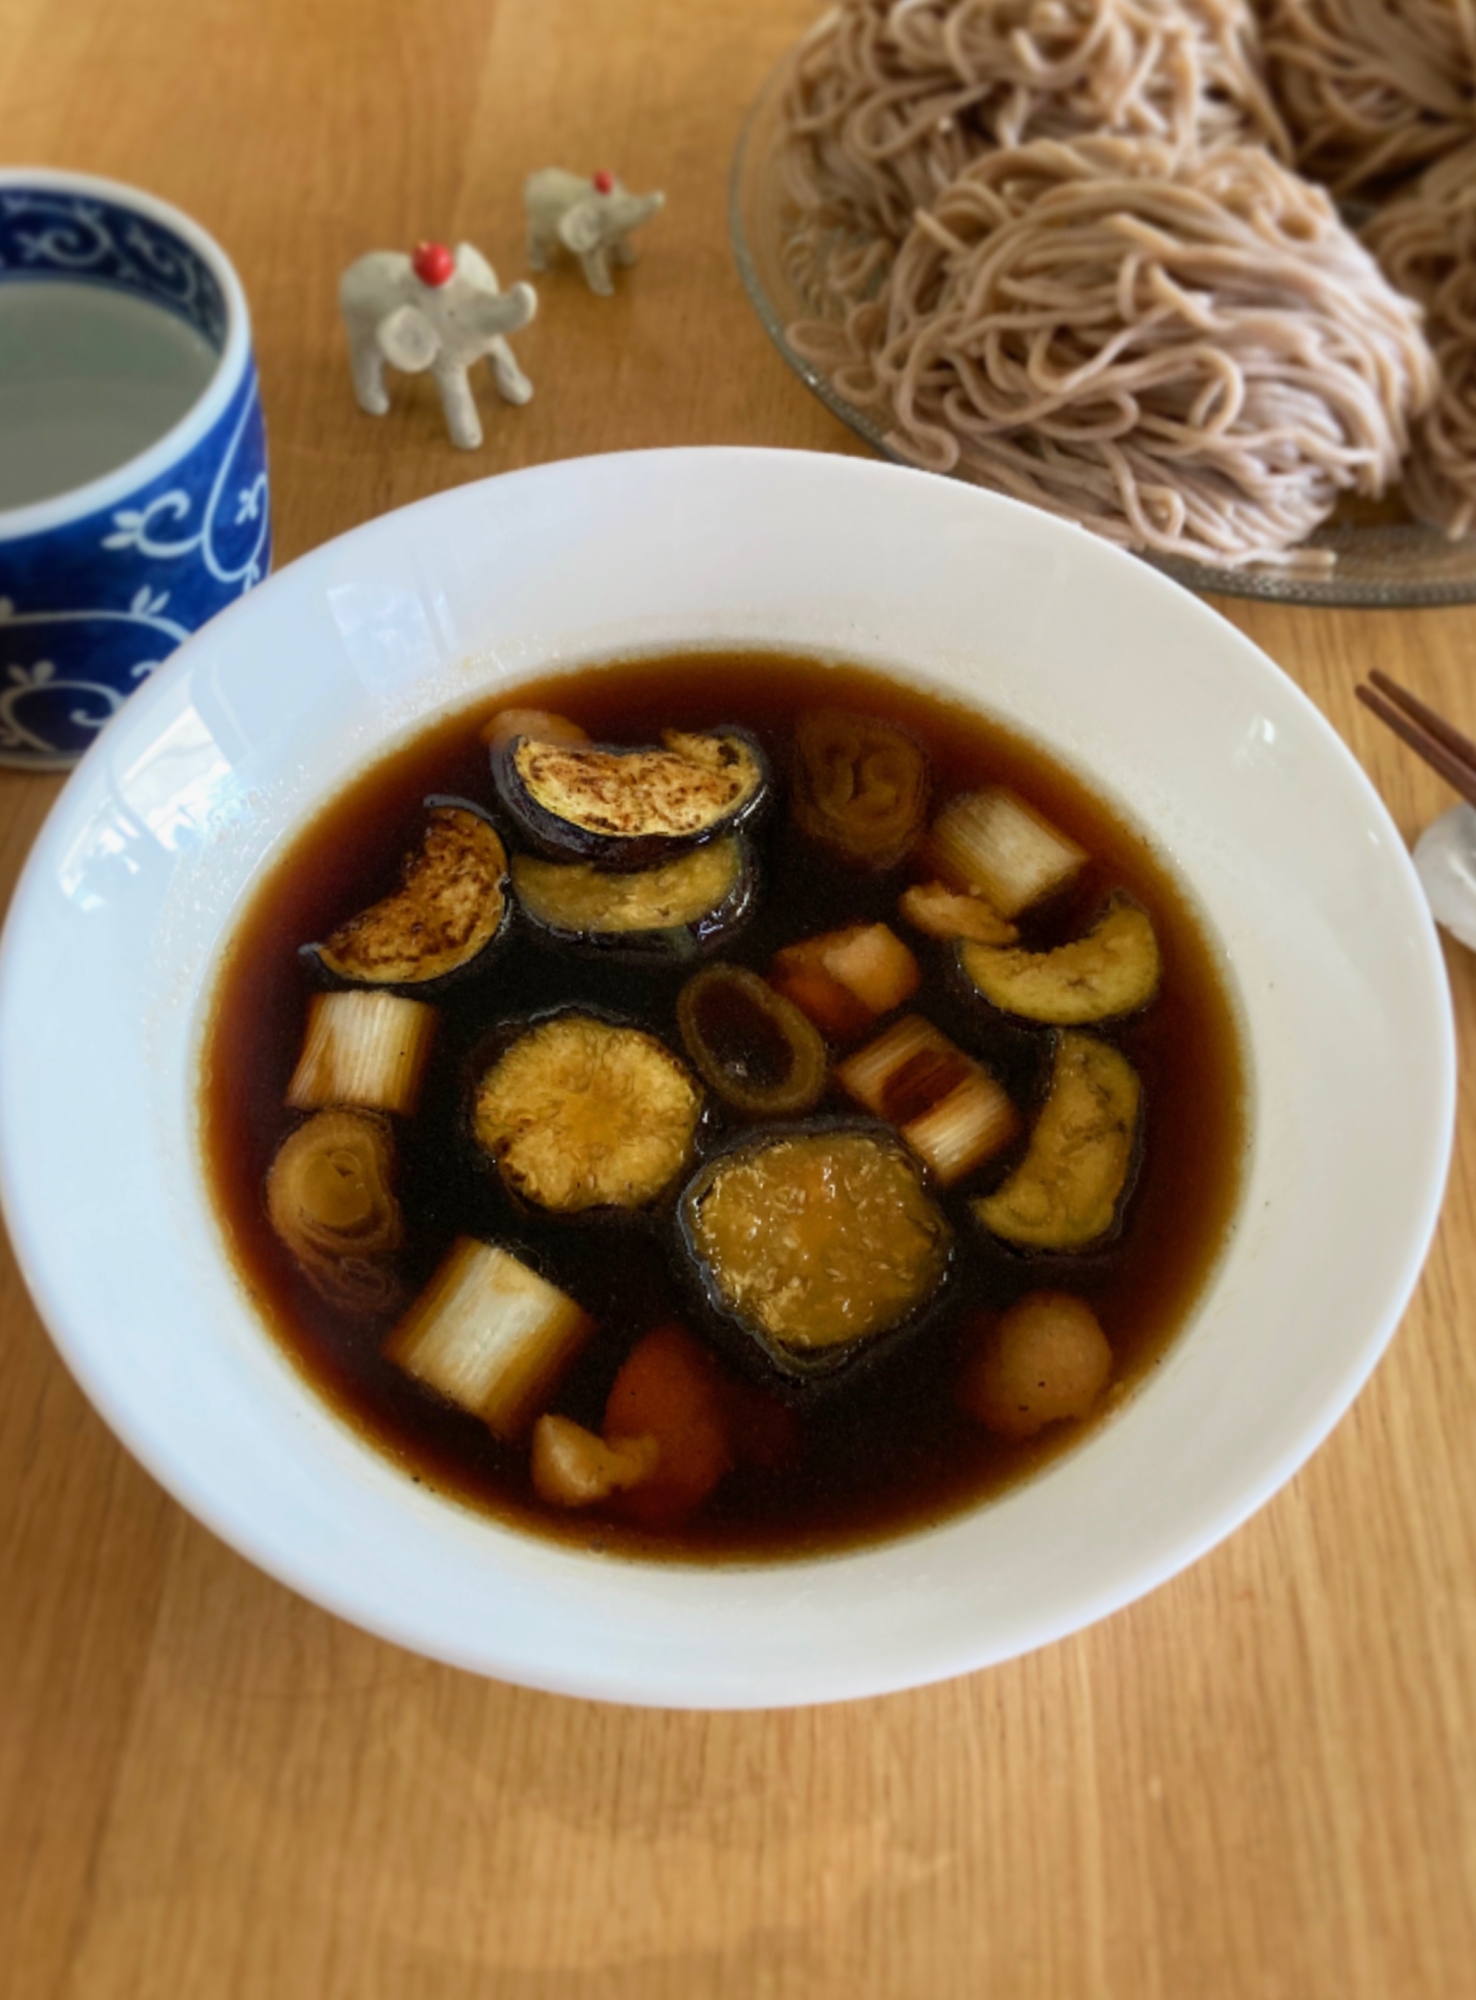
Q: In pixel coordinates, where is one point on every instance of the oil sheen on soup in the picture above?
(722, 1106)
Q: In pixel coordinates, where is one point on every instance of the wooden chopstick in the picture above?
(1429, 735)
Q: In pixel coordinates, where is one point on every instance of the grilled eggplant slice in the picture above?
(675, 909)
(581, 1114)
(751, 1045)
(449, 908)
(1067, 1193)
(817, 1243)
(860, 787)
(1113, 970)
(626, 808)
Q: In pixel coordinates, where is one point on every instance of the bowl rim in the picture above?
(829, 1682)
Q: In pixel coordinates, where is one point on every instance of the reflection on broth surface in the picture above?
(549, 1346)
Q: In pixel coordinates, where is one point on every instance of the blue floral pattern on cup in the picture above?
(90, 606)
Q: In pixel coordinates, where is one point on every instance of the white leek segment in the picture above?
(489, 1334)
(574, 1468)
(947, 1107)
(363, 1048)
(991, 844)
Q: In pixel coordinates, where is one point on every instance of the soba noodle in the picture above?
(1188, 354)
(1371, 88)
(891, 99)
(1426, 244)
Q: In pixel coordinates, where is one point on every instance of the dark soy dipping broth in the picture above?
(891, 1453)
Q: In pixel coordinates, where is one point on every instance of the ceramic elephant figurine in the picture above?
(438, 311)
(590, 216)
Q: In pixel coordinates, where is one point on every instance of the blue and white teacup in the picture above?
(133, 485)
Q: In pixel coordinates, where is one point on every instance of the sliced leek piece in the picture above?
(992, 844)
(1113, 970)
(364, 1048)
(961, 1131)
(330, 1198)
(859, 787)
(581, 1113)
(946, 1106)
(1066, 1193)
(490, 1335)
(940, 912)
(751, 1045)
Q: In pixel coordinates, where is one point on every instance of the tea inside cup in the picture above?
(133, 485)
(90, 377)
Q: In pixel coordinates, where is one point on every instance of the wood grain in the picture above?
(1261, 1781)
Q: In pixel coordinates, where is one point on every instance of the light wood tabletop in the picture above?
(1260, 1781)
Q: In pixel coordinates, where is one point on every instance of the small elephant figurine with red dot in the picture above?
(438, 311)
(588, 215)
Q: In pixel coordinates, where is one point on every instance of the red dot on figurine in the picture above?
(432, 263)
(604, 181)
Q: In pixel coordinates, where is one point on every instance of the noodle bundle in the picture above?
(1189, 354)
(891, 99)
(1426, 244)
(1371, 88)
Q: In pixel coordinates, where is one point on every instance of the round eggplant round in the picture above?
(815, 1248)
(584, 1116)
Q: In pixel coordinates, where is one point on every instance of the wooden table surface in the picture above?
(1260, 1781)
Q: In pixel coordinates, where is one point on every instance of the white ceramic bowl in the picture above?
(109, 952)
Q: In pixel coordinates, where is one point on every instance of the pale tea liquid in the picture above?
(89, 378)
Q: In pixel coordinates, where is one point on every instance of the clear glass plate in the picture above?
(1383, 561)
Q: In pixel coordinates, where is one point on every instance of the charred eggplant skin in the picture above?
(562, 838)
(696, 938)
(329, 968)
(800, 1378)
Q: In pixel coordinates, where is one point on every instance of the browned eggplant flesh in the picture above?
(692, 903)
(628, 807)
(448, 909)
(1113, 970)
(581, 1114)
(816, 1243)
(752, 1046)
(860, 787)
(1067, 1192)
